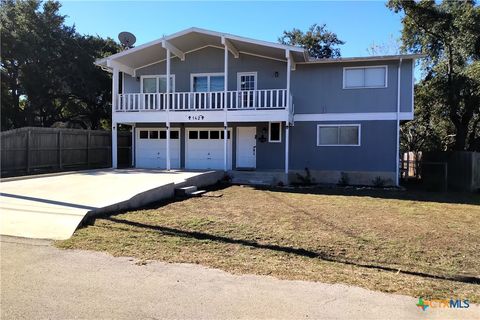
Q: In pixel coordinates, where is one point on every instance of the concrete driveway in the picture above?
(42, 282)
(52, 206)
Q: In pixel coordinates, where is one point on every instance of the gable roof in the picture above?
(192, 39)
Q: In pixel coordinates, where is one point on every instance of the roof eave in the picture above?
(365, 59)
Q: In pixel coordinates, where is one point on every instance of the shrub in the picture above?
(378, 182)
(306, 179)
(227, 178)
(344, 179)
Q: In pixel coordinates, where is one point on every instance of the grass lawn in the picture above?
(414, 243)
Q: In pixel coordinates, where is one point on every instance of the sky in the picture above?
(358, 23)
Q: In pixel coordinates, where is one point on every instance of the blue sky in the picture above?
(358, 23)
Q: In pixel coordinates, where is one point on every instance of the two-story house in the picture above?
(201, 99)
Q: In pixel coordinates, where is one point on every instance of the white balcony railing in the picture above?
(185, 101)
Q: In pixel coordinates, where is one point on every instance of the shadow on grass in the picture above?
(173, 232)
(409, 195)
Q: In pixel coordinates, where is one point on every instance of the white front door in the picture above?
(246, 147)
(150, 148)
(204, 148)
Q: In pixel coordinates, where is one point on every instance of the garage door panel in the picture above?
(204, 149)
(150, 149)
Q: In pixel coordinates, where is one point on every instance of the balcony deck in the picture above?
(232, 106)
(270, 99)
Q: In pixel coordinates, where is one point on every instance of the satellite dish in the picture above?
(126, 39)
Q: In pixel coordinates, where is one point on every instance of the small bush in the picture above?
(344, 179)
(306, 179)
(227, 178)
(378, 182)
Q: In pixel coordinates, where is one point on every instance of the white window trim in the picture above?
(157, 77)
(251, 73)
(366, 67)
(158, 130)
(208, 75)
(269, 132)
(359, 126)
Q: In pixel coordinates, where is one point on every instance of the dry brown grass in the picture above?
(335, 236)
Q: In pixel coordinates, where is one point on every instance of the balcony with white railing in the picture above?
(268, 99)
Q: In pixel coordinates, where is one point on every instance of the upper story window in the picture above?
(365, 77)
(208, 82)
(338, 135)
(157, 84)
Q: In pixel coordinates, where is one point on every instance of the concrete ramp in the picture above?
(53, 206)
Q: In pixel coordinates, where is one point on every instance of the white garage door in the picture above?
(204, 148)
(150, 148)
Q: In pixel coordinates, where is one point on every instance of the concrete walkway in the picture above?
(42, 282)
(52, 206)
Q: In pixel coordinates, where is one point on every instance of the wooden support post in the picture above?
(88, 149)
(225, 93)
(60, 150)
(28, 150)
(132, 147)
(168, 109)
(114, 123)
(114, 145)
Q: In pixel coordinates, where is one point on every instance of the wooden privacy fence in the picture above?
(458, 170)
(32, 150)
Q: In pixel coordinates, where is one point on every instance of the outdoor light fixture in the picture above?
(263, 137)
(276, 74)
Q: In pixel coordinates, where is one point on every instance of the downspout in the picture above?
(397, 157)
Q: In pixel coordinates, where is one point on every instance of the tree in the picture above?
(449, 34)
(390, 47)
(318, 41)
(47, 68)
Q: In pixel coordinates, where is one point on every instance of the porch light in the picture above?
(276, 74)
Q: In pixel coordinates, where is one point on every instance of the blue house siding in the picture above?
(376, 152)
(210, 60)
(318, 88)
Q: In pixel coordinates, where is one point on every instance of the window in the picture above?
(153, 134)
(143, 134)
(174, 134)
(203, 134)
(215, 134)
(192, 134)
(222, 135)
(157, 84)
(208, 82)
(365, 77)
(338, 135)
(274, 132)
(163, 134)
